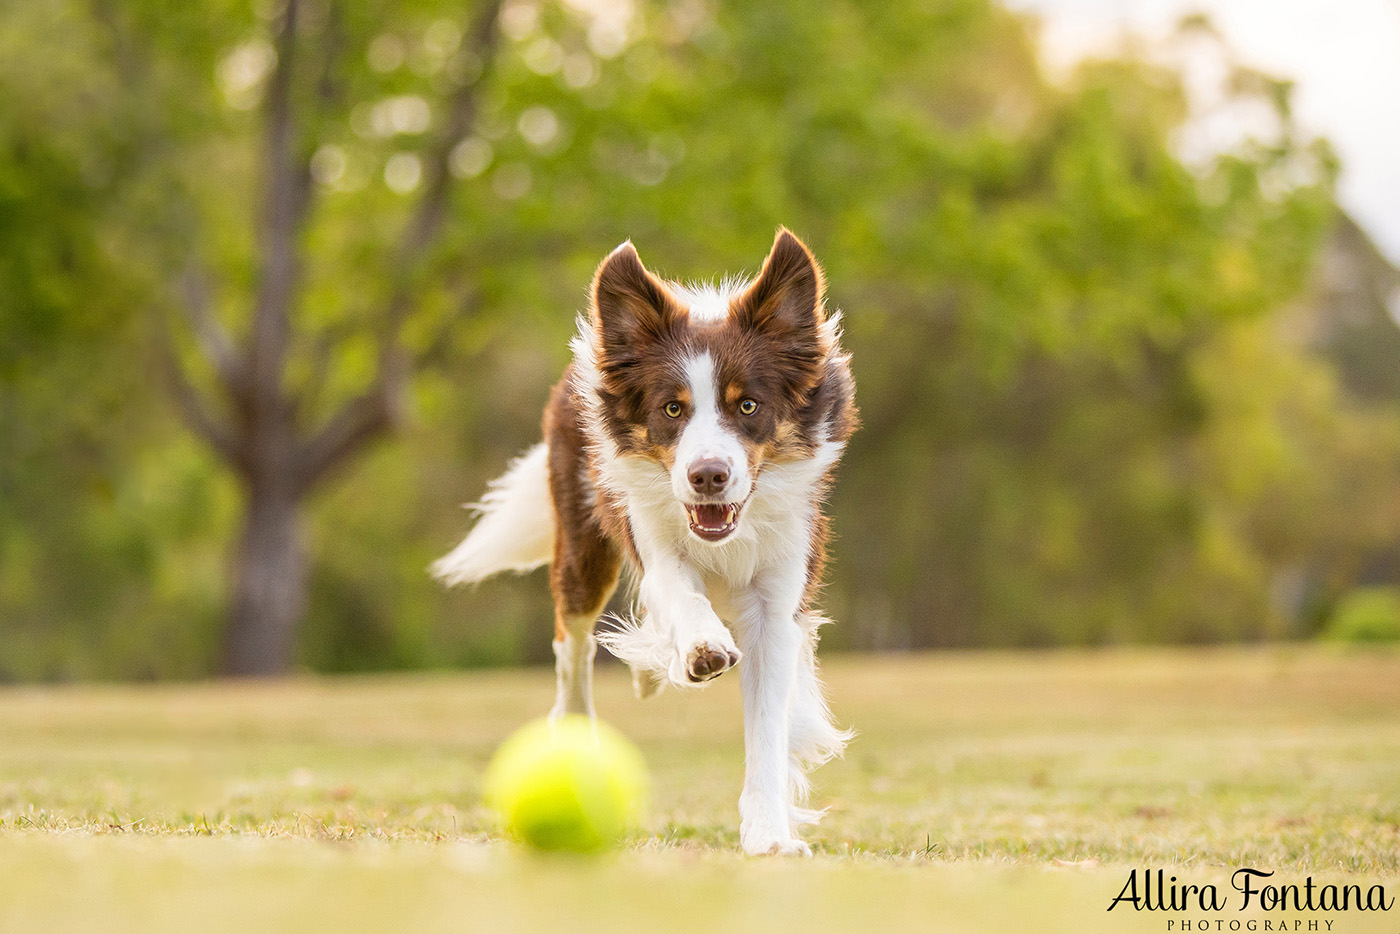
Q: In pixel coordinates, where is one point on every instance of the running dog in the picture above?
(693, 438)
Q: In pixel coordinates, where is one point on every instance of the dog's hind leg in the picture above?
(583, 577)
(584, 571)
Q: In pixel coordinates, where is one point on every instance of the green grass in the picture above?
(984, 791)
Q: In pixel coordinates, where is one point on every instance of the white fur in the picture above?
(515, 531)
(708, 302)
(573, 667)
(705, 438)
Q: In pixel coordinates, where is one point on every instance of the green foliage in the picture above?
(1367, 614)
(1084, 422)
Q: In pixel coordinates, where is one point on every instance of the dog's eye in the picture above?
(673, 410)
(748, 407)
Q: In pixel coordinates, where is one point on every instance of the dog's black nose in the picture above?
(709, 476)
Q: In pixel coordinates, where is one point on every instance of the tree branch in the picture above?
(376, 411)
(329, 88)
(359, 421)
(286, 197)
(434, 352)
(213, 338)
(193, 407)
(431, 209)
(320, 349)
(483, 36)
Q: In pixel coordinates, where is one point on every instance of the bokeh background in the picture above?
(283, 283)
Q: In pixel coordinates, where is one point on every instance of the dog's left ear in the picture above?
(787, 295)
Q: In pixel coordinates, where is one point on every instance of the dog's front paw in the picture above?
(759, 844)
(706, 660)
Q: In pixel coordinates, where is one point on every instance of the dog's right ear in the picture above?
(631, 307)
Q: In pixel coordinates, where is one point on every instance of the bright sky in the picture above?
(1343, 54)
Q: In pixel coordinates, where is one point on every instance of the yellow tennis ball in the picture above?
(572, 785)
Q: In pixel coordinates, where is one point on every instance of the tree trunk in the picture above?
(270, 584)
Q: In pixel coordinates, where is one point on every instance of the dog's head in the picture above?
(715, 384)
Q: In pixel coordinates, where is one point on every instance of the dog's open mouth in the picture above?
(714, 522)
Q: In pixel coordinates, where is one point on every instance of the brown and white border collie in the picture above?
(693, 437)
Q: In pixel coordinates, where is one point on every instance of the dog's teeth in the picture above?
(729, 515)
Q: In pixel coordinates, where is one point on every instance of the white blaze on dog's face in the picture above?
(711, 470)
(712, 385)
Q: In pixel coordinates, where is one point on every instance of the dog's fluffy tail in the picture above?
(515, 528)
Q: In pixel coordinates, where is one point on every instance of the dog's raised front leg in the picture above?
(702, 647)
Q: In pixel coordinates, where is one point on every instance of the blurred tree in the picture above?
(258, 412)
(1086, 420)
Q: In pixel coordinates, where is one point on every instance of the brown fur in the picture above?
(586, 561)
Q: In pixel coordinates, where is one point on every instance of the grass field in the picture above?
(985, 792)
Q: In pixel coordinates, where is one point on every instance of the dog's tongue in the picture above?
(711, 515)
